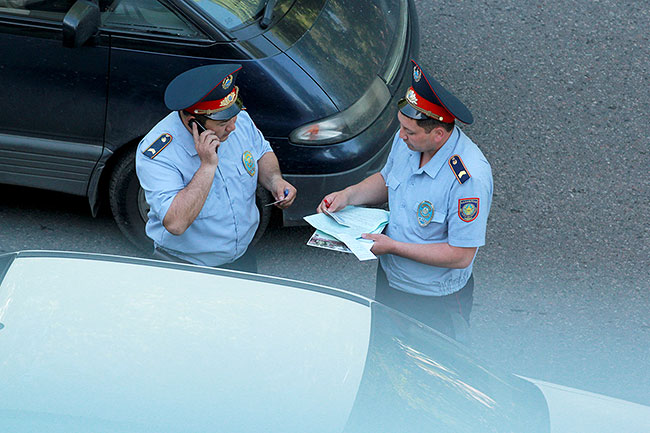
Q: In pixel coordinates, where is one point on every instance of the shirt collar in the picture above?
(442, 156)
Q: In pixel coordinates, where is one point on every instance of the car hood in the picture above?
(116, 344)
(342, 45)
(576, 411)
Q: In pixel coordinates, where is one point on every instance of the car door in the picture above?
(151, 42)
(53, 98)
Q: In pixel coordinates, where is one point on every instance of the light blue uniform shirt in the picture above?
(227, 222)
(409, 186)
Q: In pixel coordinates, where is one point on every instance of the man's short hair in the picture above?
(430, 124)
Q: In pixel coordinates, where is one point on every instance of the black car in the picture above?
(83, 82)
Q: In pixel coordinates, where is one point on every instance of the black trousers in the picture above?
(246, 263)
(448, 314)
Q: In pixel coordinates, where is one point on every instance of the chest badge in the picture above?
(425, 213)
(249, 162)
(468, 209)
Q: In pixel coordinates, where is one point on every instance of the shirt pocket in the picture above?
(392, 182)
(214, 203)
(429, 229)
(247, 181)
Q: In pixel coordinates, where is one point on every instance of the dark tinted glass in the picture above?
(50, 10)
(418, 381)
(146, 16)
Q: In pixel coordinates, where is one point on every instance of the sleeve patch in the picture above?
(158, 145)
(459, 169)
(468, 209)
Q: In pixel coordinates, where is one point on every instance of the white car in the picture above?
(96, 343)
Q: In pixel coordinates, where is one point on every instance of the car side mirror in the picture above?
(80, 23)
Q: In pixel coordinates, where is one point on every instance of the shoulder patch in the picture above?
(158, 145)
(459, 169)
(468, 208)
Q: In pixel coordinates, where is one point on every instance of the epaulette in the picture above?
(158, 145)
(459, 169)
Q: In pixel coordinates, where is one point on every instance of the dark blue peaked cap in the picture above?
(207, 90)
(427, 98)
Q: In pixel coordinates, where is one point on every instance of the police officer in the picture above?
(199, 168)
(438, 186)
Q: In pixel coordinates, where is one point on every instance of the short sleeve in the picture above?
(391, 157)
(469, 207)
(257, 140)
(160, 180)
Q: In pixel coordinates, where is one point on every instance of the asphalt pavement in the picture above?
(559, 91)
(560, 94)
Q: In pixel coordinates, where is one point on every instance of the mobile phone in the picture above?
(199, 125)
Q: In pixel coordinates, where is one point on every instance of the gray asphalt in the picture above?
(559, 91)
(560, 94)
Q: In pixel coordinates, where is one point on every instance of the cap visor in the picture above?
(228, 113)
(411, 112)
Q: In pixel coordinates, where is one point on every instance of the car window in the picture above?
(234, 14)
(148, 16)
(48, 10)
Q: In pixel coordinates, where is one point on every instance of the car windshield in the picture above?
(232, 14)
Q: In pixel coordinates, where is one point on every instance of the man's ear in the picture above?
(439, 132)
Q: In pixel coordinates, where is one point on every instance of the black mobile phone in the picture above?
(199, 125)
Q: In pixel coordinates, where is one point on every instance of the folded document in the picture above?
(347, 225)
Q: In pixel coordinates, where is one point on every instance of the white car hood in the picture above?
(575, 411)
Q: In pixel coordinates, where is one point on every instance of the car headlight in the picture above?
(399, 49)
(349, 122)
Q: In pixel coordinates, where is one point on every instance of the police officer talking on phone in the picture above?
(439, 189)
(199, 168)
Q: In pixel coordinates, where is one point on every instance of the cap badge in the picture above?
(228, 99)
(468, 209)
(417, 74)
(249, 162)
(425, 213)
(411, 96)
(227, 82)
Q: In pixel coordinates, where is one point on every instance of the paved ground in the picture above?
(560, 94)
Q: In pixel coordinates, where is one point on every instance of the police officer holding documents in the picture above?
(199, 168)
(438, 186)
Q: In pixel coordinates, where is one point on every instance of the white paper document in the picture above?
(347, 225)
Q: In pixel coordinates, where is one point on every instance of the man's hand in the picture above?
(281, 186)
(370, 191)
(383, 244)
(334, 202)
(206, 145)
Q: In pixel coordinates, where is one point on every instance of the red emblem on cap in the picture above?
(428, 108)
(209, 107)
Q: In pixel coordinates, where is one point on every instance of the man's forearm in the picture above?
(370, 191)
(442, 255)
(269, 170)
(189, 201)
